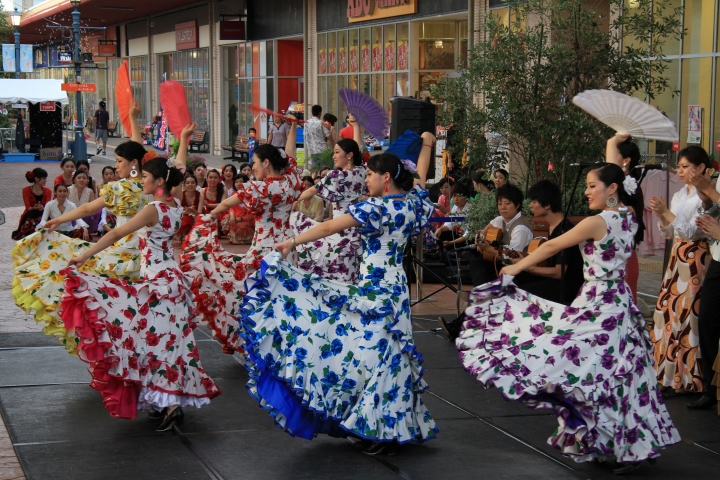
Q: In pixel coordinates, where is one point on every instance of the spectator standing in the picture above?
(35, 197)
(102, 117)
(316, 136)
(348, 132)
(277, 133)
(329, 120)
(252, 143)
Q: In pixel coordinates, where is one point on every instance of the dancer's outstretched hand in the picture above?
(78, 261)
(50, 225)
(284, 248)
(511, 270)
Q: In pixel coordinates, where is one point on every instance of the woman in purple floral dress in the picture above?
(590, 362)
(336, 257)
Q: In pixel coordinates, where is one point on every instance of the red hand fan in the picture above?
(124, 96)
(273, 113)
(368, 113)
(175, 107)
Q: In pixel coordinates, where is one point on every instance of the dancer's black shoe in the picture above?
(631, 467)
(703, 403)
(375, 448)
(174, 418)
(157, 415)
(450, 329)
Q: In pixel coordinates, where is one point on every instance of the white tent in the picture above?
(31, 90)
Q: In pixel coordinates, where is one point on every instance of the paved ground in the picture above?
(59, 429)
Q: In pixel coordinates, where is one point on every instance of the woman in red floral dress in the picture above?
(138, 336)
(218, 276)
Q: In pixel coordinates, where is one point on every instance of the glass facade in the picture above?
(442, 49)
(191, 68)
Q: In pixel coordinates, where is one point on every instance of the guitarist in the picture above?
(545, 281)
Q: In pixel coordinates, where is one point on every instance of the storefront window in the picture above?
(342, 61)
(389, 47)
(699, 25)
(353, 51)
(696, 90)
(191, 69)
(437, 46)
(231, 66)
(139, 83)
(668, 101)
(672, 45)
(365, 50)
(332, 53)
(322, 54)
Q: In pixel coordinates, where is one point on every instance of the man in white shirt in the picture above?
(316, 135)
(517, 233)
(451, 235)
(709, 316)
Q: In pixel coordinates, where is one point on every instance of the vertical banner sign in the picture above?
(377, 57)
(366, 58)
(403, 56)
(343, 60)
(322, 62)
(389, 56)
(694, 123)
(354, 58)
(26, 58)
(161, 141)
(41, 57)
(8, 54)
(332, 61)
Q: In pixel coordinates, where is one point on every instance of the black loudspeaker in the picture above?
(416, 115)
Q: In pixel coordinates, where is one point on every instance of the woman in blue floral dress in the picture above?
(590, 362)
(328, 357)
(336, 257)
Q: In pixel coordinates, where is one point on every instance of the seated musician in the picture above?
(545, 281)
(516, 234)
(450, 235)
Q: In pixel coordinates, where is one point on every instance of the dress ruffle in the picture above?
(119, 372)
(548, 355)
(349, 366)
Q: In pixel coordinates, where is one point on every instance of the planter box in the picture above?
(19, 157)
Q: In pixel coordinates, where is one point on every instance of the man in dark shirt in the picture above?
(546, 282)
(102, 117)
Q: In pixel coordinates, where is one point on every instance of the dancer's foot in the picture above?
(173, 418)
(631, 467)
(157, 415)
(375, 448)
(703, 403)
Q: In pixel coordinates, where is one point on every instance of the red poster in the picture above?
(343, 60)
(353, 59)
(377, 57)
(322, 62)
(332, 61)
(366, 58)
(402, 56)
(389, 56)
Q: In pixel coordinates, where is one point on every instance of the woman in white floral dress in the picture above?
(590, 362)
(328, 357)
(217, 276)
(336, 257)
(138, 336)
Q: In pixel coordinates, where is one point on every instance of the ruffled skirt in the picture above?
(333, 358)
(137, 338)
(335, 257)
(38, 282)
(589, 362)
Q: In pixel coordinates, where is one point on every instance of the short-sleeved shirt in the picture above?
(315, 136)
(347, 132)
(102, 119)
(279, 134)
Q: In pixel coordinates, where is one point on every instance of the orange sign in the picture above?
(78, 87)
(363, 10)
(676, 146)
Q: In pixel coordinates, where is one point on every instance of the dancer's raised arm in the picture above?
(181, 157)
(136, 134)
(426, 153)
(291, 140)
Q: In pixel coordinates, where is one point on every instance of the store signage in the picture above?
(186, 35)
(107, 50)
(676, 146)
(377, 57)
(40, 57)
(64, 57)
(78, 87)
(353, 58)
(402, 55)
(234, 30)
(47, 107)
(332, 61)
(343, 60)
(389, 55)
(322, 61)
(717, 145)
(365, 58)
(363, 10)
(19, 105)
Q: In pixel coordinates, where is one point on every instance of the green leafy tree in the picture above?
(6, 35)
(514, 98)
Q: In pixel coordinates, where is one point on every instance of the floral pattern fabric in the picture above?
(327, 357)
(138, 336)
(39, 258)
(337, 256)
(590, 362)
(217, 276)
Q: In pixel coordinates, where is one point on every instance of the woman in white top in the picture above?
(675, 335)
(59, 206)
(81, 193)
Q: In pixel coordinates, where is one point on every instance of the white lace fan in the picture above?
(626, 114)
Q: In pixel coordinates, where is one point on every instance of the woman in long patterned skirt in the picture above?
(675, 333)
(138, 336)
(590, 362)
(336, 257)
(218, 276)
(327, 357)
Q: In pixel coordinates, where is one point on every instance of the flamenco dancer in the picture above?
(38, 258)
(327, 357)
(336, 257)
(590, 362)
(217, 276)
(138, 336)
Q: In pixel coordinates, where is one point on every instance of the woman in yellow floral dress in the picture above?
(38, 258)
